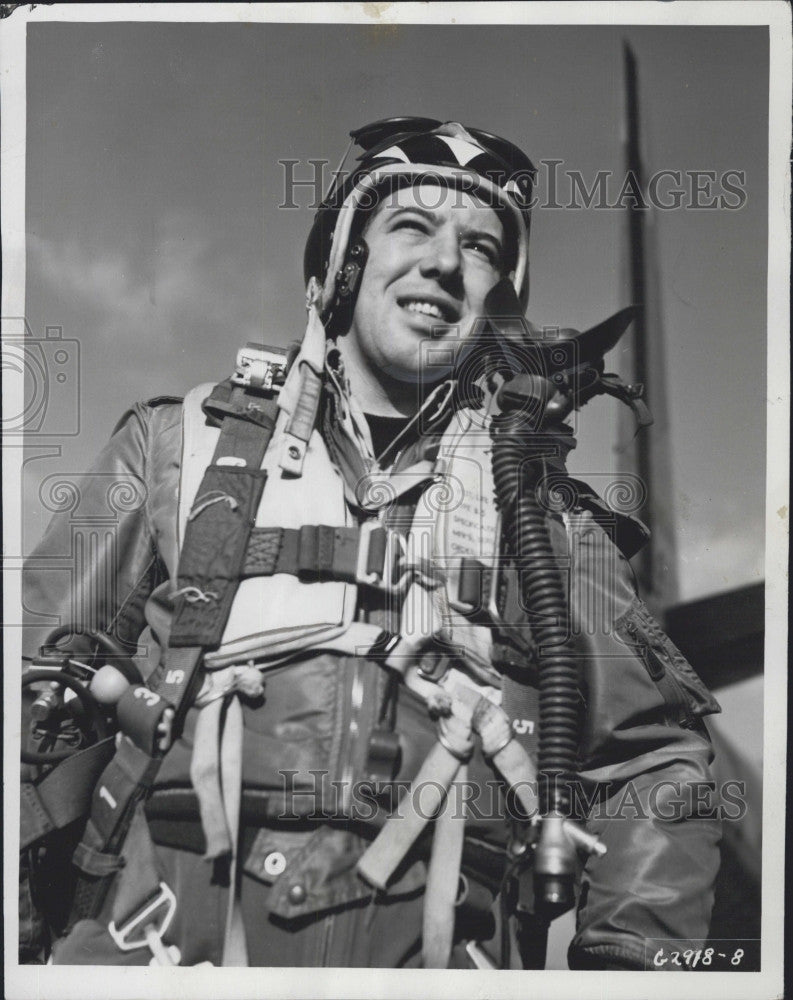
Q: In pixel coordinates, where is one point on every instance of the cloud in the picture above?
(185, 280)
(103, 282)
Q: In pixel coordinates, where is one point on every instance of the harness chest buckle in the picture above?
(144, 922)
(381, 555)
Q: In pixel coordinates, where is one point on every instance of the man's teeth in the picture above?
(427, 308)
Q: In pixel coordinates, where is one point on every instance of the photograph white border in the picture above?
(67, 982)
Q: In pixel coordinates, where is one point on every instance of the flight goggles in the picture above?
(430, 141)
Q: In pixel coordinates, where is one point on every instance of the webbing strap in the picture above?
(316, 552)
(214, 550)
(443, 876)
(126, 778)
(208, 576)
(64, 795)
(304, 417)
(35, 821)
(141, 878)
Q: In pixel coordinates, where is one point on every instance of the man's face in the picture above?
(434, 254)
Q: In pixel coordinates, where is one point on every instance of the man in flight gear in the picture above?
(370, 685)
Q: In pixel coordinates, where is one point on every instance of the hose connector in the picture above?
(555, 862)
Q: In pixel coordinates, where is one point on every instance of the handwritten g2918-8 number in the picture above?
(691, 958)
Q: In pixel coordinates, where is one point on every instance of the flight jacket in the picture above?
(108, 561)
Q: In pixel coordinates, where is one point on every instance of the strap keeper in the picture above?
(315, 548)
(145, 717)
(98, 863)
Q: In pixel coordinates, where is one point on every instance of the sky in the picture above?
(158, 241)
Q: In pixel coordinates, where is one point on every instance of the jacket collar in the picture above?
(346, 431)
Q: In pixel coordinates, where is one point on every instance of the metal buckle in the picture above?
(260, 367)
(488, 602)
(490, 605)
(396, 550)
(454, 566)
(437, 671)
(492, 599)
(142, 919)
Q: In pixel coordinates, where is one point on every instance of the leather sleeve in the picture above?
(94, 569)
(644, 768)
(100, 557)
(662, 830)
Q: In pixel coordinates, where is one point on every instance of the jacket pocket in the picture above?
(686, 696)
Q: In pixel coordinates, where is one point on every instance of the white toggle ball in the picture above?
(108, 684)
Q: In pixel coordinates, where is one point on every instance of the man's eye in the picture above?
(485, 250)
(415, 224)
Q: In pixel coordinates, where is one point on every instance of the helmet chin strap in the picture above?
(300, 395)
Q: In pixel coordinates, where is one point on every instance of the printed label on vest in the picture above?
(462, 510)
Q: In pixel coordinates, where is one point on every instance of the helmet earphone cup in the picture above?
(339, 313)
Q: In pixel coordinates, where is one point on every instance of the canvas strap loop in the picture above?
(443, 877)
(468, 711)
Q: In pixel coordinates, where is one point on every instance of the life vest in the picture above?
(273, 616)
(454, 530)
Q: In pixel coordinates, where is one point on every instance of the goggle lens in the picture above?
(376, 136)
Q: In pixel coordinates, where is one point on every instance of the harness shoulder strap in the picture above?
(199, 440)
(215, 540)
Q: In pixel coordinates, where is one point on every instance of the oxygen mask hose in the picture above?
(522, 444)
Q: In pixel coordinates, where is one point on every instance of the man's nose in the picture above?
(443, 256)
